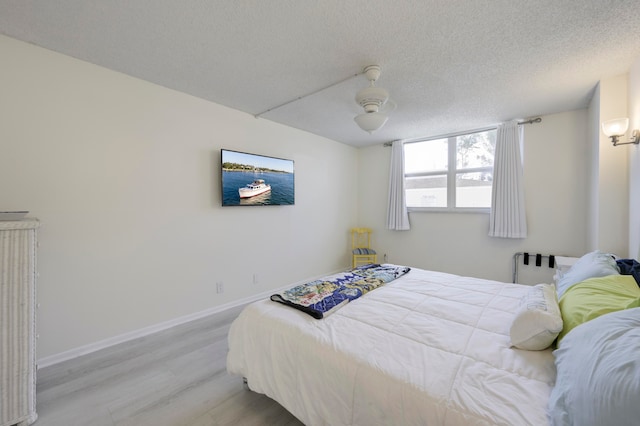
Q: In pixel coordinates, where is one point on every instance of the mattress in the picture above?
(427, 348)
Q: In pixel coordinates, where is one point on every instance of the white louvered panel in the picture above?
(17, 322)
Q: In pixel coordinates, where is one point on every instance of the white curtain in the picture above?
(397, 215)
(508, 218)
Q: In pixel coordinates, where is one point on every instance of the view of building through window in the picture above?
(452, 172)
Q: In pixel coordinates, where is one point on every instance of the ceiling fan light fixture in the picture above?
(371, 121)
(372, 95)
(371, 99)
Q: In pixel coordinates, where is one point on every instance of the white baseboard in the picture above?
(102, 344)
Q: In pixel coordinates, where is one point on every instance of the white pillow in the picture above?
(538, 320)
(591, 265)
(598, 367)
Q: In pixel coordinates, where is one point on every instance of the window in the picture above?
(450, 173)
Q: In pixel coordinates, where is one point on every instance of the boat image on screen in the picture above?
(254, 188)
(256, 180)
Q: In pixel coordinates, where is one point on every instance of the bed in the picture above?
(427, 348)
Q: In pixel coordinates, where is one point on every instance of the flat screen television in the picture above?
(256, 180)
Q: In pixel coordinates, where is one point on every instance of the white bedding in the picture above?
(426, 349)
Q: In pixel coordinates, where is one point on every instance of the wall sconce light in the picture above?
(618, 127)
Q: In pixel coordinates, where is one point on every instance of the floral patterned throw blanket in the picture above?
(322, 297)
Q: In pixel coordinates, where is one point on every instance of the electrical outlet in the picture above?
(255, 278)
(219, 287)
(385, 258)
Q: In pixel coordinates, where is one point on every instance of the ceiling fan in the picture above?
(372, 99)
(375, 101)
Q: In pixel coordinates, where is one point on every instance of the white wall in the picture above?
(593, 142)
(634, 162)
(555, 168)
(610, 227)
(124, 176)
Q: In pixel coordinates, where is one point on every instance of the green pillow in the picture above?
(594, 297)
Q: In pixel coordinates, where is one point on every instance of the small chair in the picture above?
(361, 250)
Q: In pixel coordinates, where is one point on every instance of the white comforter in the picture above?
(426, 349)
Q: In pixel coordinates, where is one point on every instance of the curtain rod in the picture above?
(529, 121)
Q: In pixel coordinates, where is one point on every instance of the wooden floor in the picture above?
(175, 377)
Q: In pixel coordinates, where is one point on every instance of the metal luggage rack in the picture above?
(550, 260)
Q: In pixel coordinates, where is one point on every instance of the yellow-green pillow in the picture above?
(594, 297)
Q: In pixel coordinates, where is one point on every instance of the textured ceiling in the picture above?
(450, 65)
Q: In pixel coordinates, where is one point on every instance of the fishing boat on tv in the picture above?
(254, 188)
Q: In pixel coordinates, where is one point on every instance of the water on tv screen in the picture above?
(256, 180)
